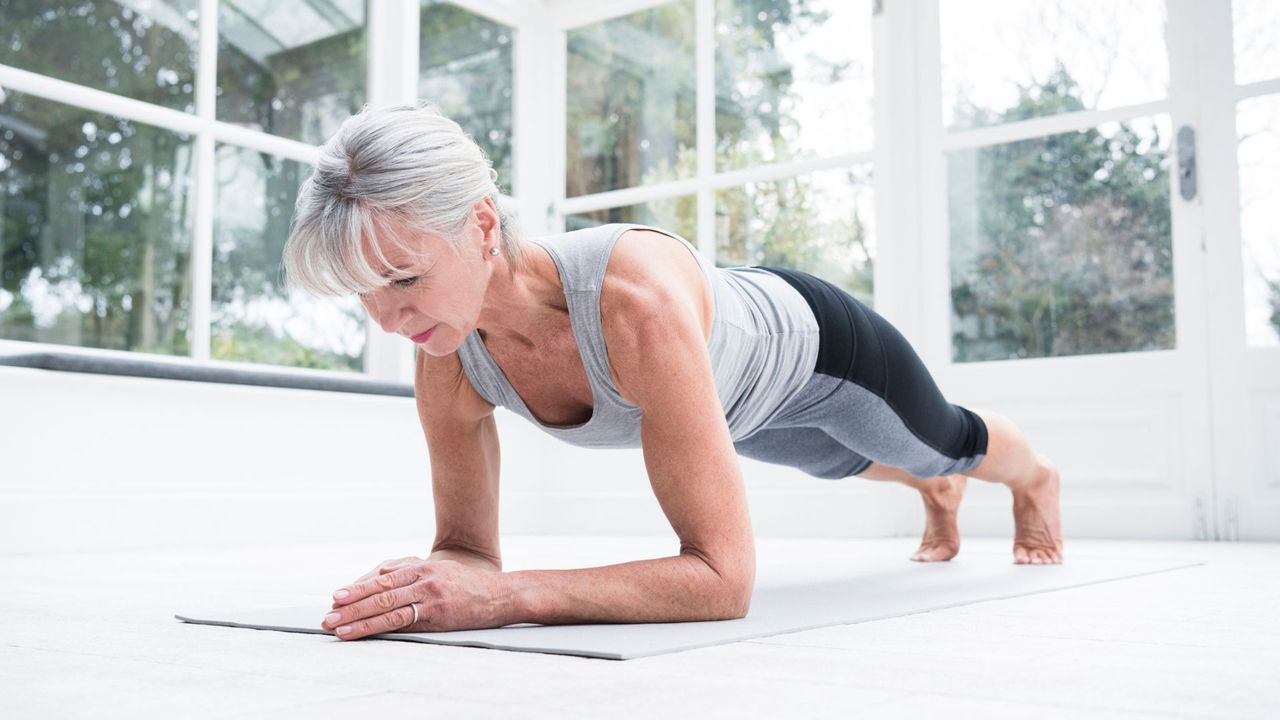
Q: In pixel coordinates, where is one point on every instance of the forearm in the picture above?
(670, 589)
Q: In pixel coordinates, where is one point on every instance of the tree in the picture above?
(632, 122)
(1061, 245)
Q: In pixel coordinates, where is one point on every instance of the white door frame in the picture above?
(1129, 430)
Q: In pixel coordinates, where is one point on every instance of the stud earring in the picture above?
(493, 251)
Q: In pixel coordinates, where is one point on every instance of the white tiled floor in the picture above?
(93, 635)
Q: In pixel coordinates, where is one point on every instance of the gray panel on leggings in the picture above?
(859, 423)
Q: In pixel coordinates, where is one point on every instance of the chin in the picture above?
(437, 346)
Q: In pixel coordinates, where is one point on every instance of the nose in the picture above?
(383, 309)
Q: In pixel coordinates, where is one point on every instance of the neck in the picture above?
(519, 304)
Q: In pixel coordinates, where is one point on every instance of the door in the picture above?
(1062, 270)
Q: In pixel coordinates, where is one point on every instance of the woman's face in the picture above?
(436, 289)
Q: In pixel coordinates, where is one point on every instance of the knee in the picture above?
(840, 471)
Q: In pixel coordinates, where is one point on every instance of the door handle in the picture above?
(1187, 162)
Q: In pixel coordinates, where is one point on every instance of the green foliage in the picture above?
(631, 88)
(1061, 245)
(259, 344)
(94, 215)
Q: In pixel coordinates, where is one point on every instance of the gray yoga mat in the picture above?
(871, 589)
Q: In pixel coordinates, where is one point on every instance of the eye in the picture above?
(406, 282)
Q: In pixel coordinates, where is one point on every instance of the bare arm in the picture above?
(462, 439)
(658, 349)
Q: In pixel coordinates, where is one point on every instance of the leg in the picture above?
(1035, 484)
(941, 497)
(1032, 478)
(886, 406)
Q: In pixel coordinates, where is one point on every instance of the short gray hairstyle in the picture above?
(407, 166)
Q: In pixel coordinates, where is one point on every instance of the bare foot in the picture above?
(941, 504)
(1038, 533)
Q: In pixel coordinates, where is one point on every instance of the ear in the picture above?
(485, 214)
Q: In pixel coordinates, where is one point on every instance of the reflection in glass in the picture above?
(1061, 245)
(1255, 32)
(95, 229)
(822, 224)
(254, 319)
(141, 49)
(1258, 123)
(678, 215)
(1003, 60)
(465, 69)
(793, 80)
(292, 68)
(630, 98)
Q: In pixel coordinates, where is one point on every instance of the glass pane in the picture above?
(821, 223)
(630, 99)
(679, 215)
(292, 68)
(1258, 122)
(95, 229)
(793, 80)
(1004, 60)
(465, 69)
(1061, 245)
(142, 49)
(254, 318)
(1256, 34)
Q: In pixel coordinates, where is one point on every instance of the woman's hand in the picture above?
(384, 567)
(449, 596)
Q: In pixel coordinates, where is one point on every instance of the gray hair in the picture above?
(404, 166)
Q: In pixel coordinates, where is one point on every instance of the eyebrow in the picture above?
(425, 259)
(388, 273)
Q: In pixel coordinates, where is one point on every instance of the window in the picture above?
(144, 50)
(254, 319)
(95, 228)
(631, 101)
(466, 69)
(102, 240)
(293, 68)
(788, 180)
(1060, 243)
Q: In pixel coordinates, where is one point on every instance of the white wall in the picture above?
(95, 462)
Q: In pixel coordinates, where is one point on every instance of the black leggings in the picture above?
(870, 399)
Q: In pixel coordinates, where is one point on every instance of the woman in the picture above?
(618, 336)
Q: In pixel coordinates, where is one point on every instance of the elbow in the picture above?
(731, 583)
(740, 604)
(737, 594)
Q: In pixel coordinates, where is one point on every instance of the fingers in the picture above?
(387, 566)
(362, 589)
(374, 615)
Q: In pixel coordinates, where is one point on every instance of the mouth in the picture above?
(419, 339)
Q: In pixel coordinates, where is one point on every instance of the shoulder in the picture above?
(648, 269)
(654, 300)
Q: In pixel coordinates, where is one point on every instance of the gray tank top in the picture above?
(763, 344)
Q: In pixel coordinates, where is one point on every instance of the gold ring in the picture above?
(415, 614)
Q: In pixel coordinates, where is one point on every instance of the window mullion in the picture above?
(930, 226)
(392, 79)
(705, 92)
(204, 183)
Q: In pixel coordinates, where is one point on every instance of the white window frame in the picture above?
(391, 61)
(572, 14)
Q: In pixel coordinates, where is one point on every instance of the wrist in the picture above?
(516, 593)
(466, 557)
